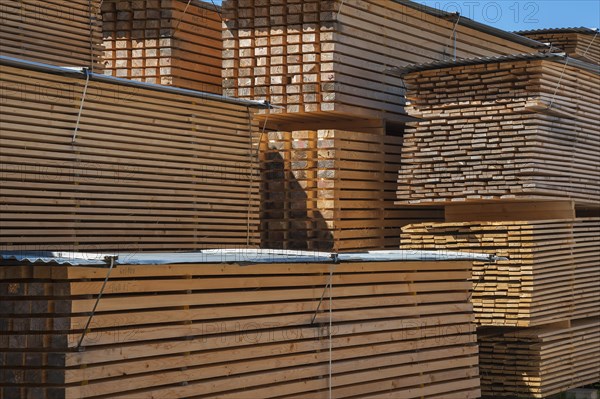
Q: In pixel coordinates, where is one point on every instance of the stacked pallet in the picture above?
(333, 190)
(396, 330)
(59, 32)
(138, 169)
(331, 57)
(513, 128)
(539, 362)
(164, 42)
(581, 43)
(552, 272)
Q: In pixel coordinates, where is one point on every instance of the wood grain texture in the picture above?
(552, 274)
(498, 132)
(322, 56)
(539, 362)
(400, 329)
(147, 171)
(164, 42)
(60, 32)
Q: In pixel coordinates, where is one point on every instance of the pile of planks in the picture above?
(164, 42)
(398, 330)
(582, 43)
(502, 130)
(539, 362)
(140, 169)
(333, 190)
(552, 272)
(58, 32)
(333, 56)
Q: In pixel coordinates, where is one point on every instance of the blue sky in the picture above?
(524, 14)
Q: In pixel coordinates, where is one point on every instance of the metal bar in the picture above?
(78, 73)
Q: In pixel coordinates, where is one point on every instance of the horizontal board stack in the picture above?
(165, 42)
(398, 330)
(333, 190)
(552, 272)
(581, 43)
(58, 32)
(509, 129)
(539, 362)
(140, 169)
(333, 56)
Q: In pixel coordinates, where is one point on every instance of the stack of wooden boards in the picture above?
(582, 43)
(514, 129)
(399, 330)
(140, 169)
(552, 272)
(171, 42)
(513, 141)
(333, 190)
(539, 362)
(58, 32)
(333, 56)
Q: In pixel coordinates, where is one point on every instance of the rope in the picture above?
(182, 15)
(340, 10)
(87, 81)
(590, 45)
(453, 34)
(87, 325)
(217, 10)
(562, 74)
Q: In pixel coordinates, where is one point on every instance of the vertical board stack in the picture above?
(59, 32)
(508, 145)
(218, 327)
(164, 42)
(333, 190)
(325, 64)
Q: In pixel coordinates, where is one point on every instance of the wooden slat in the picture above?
(238, 330)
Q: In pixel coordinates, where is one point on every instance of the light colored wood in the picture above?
(166, 42)
(539, 362)
(237, 330)
(148, 170)
(481, 140)
(335, 56)
(552, 272)
(510, 210)
(63, 33)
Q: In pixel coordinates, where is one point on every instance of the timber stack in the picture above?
(508, 146)
(60, 32)
(173, 42)
(118, 148)
(290, 324)
(330, 160)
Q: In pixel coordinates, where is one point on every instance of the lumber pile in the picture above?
(399, 330)
(496, 131)
(148, 169)
(333, 190)
(581, 43)
(552, 272)
(164, 42)
(59, 32)
(539, 362)
(323, 57)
